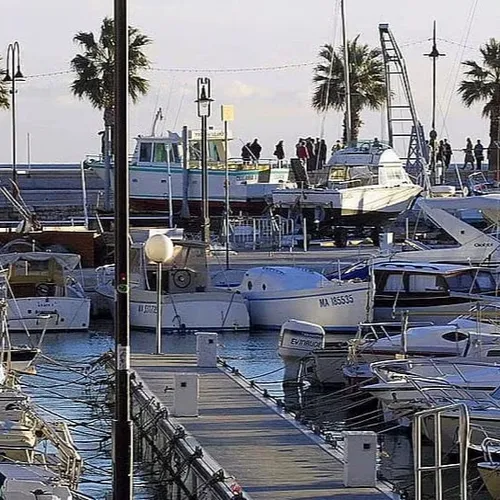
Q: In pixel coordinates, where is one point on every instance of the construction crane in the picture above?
(402, 120)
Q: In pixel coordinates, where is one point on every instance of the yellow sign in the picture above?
(227, 112)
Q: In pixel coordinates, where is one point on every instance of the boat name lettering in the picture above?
(306, 343)
(336, 300)
(483, 244)
(45, 305)
(147, 308)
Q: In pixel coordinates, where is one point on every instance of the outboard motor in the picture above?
(297, 340)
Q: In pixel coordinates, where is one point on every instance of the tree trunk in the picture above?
(494, 146)
(355, 126)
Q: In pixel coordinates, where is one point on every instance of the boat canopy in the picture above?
(68, 261)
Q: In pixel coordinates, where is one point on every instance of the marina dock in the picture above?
(251, 438)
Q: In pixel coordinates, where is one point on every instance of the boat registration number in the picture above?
(336, 300)
(147, 308)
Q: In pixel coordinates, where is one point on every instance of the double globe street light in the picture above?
(13, 74)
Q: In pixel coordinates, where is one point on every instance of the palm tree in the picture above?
(95, 68)
(4, 93)
(482, 84)
(367, 81)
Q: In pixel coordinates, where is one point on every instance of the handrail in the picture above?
(438, 466)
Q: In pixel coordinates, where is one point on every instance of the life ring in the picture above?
(43, 289)
(182, 278)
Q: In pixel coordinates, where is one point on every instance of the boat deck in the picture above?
(263, 448)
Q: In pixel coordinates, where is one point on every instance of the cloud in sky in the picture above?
(234, 34)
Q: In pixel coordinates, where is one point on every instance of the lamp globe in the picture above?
(159, 248)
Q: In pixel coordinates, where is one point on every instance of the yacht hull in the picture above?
(363, 203)
(336, 308)
(216, 311)
(37, 314)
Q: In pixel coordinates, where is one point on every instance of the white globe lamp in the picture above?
(159, 249)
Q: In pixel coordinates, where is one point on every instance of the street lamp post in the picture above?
(204, 101)
(159, 249)
(13, 74)
(227, 115)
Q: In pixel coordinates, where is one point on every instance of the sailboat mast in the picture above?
(347, 83)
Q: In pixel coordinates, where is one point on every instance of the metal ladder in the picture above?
(402, 112)
(438, 467)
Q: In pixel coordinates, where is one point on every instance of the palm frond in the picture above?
(94, 66)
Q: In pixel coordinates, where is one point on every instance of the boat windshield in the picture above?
(471, 281)
(158, 152)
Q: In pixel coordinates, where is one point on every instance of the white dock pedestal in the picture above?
(360, 459)
(186, 395)
(206, 349)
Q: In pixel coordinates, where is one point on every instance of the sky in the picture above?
(199, 37)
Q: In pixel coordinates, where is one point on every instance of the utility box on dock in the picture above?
(185, 395)
(206, 349)
(360, 458)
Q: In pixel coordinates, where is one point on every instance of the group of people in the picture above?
(473, 153)
(250, 152)
(312, 153)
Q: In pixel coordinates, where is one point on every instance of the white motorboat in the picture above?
(406, 380)
(474, 336)
(157, 173)
(43, 293)
(366, 184)
(431, 292)
(24, 481)
(188, 302)
(473, 245)
(276, 294)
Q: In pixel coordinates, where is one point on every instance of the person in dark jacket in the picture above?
(322, 153)
(447, 153)
(469, 157)
(246, 153)
(279, 151)
(478, 154)
(255, 148)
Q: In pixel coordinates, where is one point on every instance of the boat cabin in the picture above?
(39, 274)
(366, 163)
(431, 280)
(187, 272)
(162, 150)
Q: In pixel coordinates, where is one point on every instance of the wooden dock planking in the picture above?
(266, 453)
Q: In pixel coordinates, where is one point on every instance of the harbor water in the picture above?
(66, 387)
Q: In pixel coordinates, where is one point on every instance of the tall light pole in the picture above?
(204, 103)
(13, 74)
(122, 428)
(227, 115)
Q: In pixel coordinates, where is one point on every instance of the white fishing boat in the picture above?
(42, 292)
(366, 184)
(157, 173)
(276, 294)
(188, 301)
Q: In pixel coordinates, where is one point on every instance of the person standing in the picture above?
(302, 153)
(311, 157)
(440, 152)
(246, 153)
(255, 148)
(469, 157)
(322, 153)
(478, 154)
(446, 153)
(279, 152)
